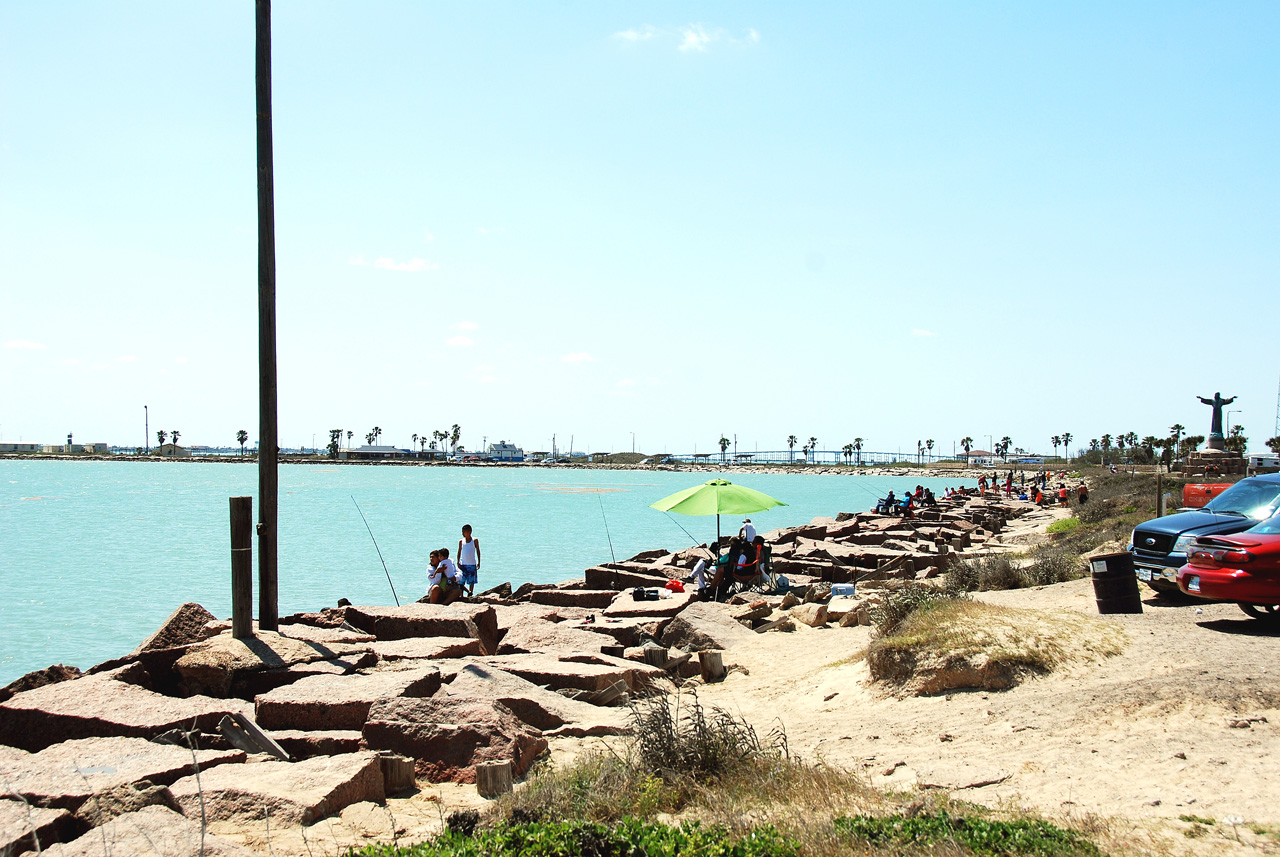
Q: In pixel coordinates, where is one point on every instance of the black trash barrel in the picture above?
(1115, 585)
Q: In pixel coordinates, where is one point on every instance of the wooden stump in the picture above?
(397, 773)
(493, 779)
(655, 657)
(712, 666)
(615, 651)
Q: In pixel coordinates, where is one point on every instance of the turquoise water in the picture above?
(95, 554)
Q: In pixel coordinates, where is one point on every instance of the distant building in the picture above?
(74, 449)
(19, 447)
(503, 451)
(372, 453)
(171, 450)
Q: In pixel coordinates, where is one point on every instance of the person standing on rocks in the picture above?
(469, 560)
(748, 531)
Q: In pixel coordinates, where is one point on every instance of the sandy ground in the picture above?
(1184, 721)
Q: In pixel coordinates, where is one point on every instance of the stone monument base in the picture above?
(1211, 463)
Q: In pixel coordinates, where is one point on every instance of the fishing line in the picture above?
(696, 543)
(378, 549)
(606, 527)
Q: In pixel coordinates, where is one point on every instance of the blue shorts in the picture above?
(468, 574)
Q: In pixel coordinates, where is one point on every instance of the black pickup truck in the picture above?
(1159, 546)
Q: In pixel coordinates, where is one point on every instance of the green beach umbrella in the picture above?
(717, 497)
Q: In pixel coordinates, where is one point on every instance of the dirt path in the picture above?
(1145, 734)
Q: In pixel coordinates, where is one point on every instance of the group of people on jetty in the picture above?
(746, 561)
(447, 579)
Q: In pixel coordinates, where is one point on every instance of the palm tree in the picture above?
(455, 434)
(928, 444)
(813, 445)
(174, 435)
(350, 434)
(422, 443)
(377, 433)
(161, 435)
(1066, 445)
(919, 451)
(857, 448)
(1005, 443)
(1120, 440)
(848, 452)
(724, 445)
(1176, 431)
(791, 445)
(243, 437)
(967, 444)
(415, 437)
(1056, 441)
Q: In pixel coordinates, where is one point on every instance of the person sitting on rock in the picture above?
(446, 580)
(885, 505)
(699, 573)
(725, 566)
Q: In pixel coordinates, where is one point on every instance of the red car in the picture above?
(1242, 567)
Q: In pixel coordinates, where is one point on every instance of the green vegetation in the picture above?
(591, 839)
(695, 780)
(977, 835)
(1063, 526)
(1196, 819)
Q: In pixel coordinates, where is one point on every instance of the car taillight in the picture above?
(1235, 557)
(1202, 558)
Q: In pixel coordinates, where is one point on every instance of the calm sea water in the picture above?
(95, 554)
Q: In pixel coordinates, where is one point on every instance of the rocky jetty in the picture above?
(358, 702)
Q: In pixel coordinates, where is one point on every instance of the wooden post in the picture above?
(241, 567)
(1159, 497)
(493, 778)
(655, 657)
(397, 773)
(268, 435)
(712, 666)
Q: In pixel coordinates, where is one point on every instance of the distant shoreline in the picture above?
(933, 471)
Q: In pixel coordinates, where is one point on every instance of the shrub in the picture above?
(1066, 525)
(676, 736)
(901, 603)
(978, 835)
(984, 573)
(1052, 564)
(1093, 513)
(573, 838)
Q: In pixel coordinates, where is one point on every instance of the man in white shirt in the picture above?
(748, 531)
(445, 581)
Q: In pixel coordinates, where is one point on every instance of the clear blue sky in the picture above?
(896, 221)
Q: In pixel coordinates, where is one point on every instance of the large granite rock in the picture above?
(101, 706)
(426, 648)
(39, 678)
(704, 625)
(449, 736)
(68, 774)
(617, 579)
(215, 667)
(536, 635)
(288, 792)
(477, 621)
(340, 702)
(32, 828)
(249, 684)
(560, 673)
(155, 831)
(543, 709)
(592, 599)
(183, 627)
(305, 745)
(625, 606)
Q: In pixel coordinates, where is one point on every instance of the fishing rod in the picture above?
(610, 538)
(696, 543)
(378, 549)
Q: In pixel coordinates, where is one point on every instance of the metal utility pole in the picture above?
(268, 440)
(146, 427)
